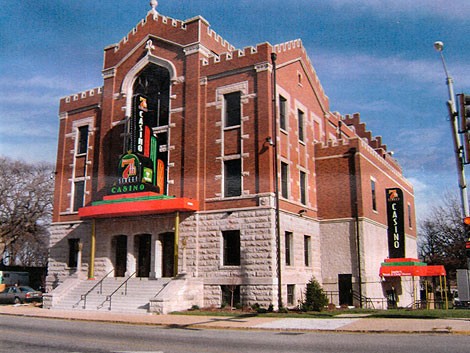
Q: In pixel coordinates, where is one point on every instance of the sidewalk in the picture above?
(344, 323)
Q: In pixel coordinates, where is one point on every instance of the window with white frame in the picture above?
(410, 219)
(284, 180)
(232, 177)
(232, 102)
(231, 250)
(301, 122)
(82, 129)
(288, 244)
(82, 140)
(303, 188)
(307, 250)
(78, 194)
(290, 294)
(282, 113)
(373, 192)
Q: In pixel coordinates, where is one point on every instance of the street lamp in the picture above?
(439, 46)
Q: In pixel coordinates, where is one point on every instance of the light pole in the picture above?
(439, 46)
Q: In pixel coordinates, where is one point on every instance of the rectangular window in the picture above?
(233, 178)
(231, 256)
(82, 144)
(373, 195)
(410, 222)
(232, 109)
(231, 295)
(300, 116)
(307, 250)
(74, 247)
(303, 188)
(290, 294)
(288, 248)
(282, 113)
(78, 195)
(284, 180)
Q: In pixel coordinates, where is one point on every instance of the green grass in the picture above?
(423, 314)
(397, 313)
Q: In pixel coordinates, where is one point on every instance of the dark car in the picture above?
(20, 294)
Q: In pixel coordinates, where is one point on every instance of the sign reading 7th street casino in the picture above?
(396, 223)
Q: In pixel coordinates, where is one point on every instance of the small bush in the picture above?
(315, 297)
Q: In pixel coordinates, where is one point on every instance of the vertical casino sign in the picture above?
(396, 223)
(140, 169)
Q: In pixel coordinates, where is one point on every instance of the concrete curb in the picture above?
(340, 325)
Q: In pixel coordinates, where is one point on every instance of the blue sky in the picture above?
(374, 57)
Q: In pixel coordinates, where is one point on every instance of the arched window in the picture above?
(154, 83)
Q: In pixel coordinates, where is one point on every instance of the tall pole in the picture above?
(439, 46)
(276, 186)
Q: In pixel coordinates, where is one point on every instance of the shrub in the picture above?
(315, 297)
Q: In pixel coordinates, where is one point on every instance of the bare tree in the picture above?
(26, 194)
(442, 237)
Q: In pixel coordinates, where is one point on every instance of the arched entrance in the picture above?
(143, 249)
(119, 249)
(168, 254)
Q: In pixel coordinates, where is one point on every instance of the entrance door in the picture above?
(144, 254)
(345, 289)
(168, 257)
(120, 253)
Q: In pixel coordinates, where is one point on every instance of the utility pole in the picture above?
(439, 46)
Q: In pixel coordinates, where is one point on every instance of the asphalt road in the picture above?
(36, 335)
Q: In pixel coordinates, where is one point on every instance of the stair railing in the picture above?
(100, 291)
(109, 297)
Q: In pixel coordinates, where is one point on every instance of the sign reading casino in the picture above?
(396, 223)
(140, 169)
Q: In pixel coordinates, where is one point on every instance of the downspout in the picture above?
(356, 217)
(276, 186)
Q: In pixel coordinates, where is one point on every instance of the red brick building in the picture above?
(176, 169)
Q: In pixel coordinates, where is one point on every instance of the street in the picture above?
(36, 335)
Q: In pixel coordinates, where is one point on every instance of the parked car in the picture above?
(20, 294)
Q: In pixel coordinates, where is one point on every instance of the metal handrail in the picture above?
(84, 296)
(110, 296)
(366, 302)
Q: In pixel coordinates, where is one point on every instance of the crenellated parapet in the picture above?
(293, 50)
(168, 22)
(360, 129)
(375, 143)
(177, 32)
(217, 38)
(91, 95)
(249, 54)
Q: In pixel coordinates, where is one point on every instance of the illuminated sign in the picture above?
(140, 170)
(396, 223)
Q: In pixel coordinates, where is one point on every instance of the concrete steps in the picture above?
(111, 295)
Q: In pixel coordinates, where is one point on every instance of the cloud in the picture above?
(52, 83)
(452, 10)
(357, 66)
(418, 184)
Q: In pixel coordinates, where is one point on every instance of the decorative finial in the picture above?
(154, 4)
(149, 46)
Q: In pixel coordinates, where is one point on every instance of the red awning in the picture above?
(126, 207)
(410, 267)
